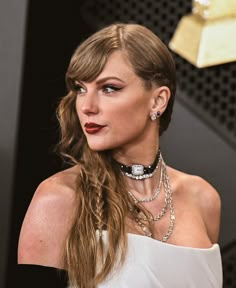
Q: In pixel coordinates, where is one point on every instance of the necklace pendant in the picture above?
(137, 170)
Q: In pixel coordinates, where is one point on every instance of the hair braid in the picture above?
(99, 211)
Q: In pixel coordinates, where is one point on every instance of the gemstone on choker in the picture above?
(139, 171)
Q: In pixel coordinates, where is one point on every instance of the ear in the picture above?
(161, 96)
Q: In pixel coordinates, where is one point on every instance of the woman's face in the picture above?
(114, 109)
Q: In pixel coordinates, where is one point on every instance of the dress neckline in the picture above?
(165, 244)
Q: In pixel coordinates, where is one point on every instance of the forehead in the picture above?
(118, 65)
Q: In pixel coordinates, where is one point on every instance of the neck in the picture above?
(143, 156)
(141, 150)
(144, 187)
(137, 155)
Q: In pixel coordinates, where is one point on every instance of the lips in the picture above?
(92, 128)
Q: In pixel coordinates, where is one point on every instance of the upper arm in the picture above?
(45, 227)
(210, 205)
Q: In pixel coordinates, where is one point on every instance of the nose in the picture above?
(89, 103)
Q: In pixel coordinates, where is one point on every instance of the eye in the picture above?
(79, 89)
(108, 89)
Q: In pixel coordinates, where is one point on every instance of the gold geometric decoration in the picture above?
(207, 37)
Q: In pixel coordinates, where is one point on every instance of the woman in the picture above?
(105, 219)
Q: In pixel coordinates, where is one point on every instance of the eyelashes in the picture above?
(106, 89)
(78, 89)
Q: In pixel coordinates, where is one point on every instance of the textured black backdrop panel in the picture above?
(209, 92)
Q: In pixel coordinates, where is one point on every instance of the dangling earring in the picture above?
(155, 115)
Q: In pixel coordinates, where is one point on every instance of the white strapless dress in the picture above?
(153, 264)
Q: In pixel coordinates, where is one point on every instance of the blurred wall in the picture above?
(12, 28)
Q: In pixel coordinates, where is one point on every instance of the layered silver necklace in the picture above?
(141, 218)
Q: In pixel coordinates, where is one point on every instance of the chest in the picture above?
(187, 228)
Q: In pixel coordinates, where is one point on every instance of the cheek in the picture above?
(130, 120)
(137, 112)
(80, 115)
(77, 108)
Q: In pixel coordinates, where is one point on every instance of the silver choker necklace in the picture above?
(139, 171)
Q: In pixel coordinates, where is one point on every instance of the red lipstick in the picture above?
(92, 128)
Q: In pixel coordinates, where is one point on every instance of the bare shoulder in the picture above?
(48, 220)
(203, 195)
(195, 186)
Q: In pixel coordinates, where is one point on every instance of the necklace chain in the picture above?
(139, 217)
(153, 197)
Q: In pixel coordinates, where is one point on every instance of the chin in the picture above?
(98, 147)
(102, 146)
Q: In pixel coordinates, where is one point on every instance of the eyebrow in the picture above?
(99, 81)
(108, 78)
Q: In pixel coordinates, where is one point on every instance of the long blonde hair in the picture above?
(102, 198)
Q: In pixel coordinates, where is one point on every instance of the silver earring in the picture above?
(153, 116)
